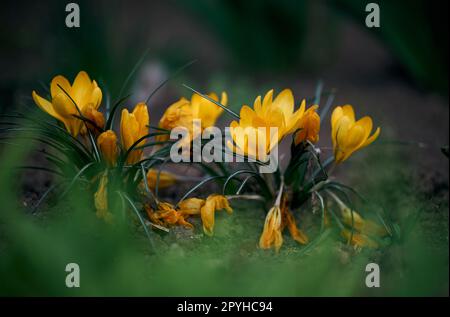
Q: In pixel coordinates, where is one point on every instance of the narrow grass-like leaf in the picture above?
(135, 146)
(111, 115)
(45, 169)
(319, 88)
(133, 71)
(327, 107)
(174, 75)
(193, 189)
(265, 188)
(74, 179)
(44, 195)
(238, 192)
(144, 178)
(138, 214)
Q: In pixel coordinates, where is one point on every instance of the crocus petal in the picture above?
(285, 102)
(56, 84)
(96, 98)
(46, 106)
(224, 99)
(82, 89)
(247, 116)
(66, 109)
(373, 137)
(257, 105)
(348, 111)
(267, 101)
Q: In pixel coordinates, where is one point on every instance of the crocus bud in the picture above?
(107, 143)
(134, 126)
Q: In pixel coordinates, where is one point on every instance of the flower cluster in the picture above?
(120, 163)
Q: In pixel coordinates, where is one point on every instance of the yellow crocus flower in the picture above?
(134, 126)
(308, 127)
(283, 102)
(84, 93)
(269, 113)
(255, 136)
(183, 112)
(349, 135)
(107, 144)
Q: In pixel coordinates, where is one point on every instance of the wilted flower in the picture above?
(308, 127)
(213, 203)
(134, 126)
(191, 206)
(278, 218)
(166, 215)
(84, 93)
(288, 220)
(271, 235)
(349, 135)
(107, 144)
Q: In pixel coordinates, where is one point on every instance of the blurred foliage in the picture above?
(258, 34)
(271, 35)
(116, 260)
(416, 31)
